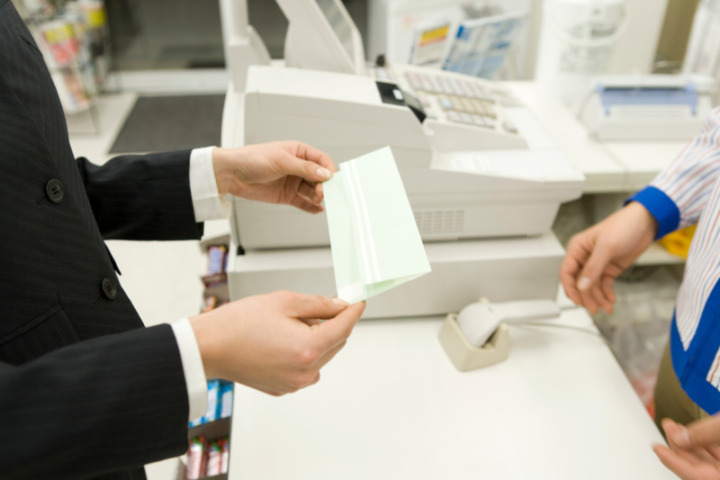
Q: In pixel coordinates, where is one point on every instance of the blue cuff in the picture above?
(661, 207)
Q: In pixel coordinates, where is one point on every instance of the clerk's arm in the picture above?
(279, 172)
(596, 256)
(97, 406)
(155, 196)
(276, 343)
(121, 400)
(674, 199)
(142, 197)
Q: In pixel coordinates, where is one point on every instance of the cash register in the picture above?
(483, 178)
(485, 183)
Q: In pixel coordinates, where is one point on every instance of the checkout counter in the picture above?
(391, 404)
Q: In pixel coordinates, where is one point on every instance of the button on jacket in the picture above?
(85, 390)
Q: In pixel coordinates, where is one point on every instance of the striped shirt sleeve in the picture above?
(679, 194)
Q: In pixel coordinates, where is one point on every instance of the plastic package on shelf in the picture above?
(219, 403)
(206, 458)
(678, 242)
(73, 38)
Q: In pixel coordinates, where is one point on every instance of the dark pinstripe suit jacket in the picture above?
(85, 390)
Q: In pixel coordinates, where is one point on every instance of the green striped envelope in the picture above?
(374, 239)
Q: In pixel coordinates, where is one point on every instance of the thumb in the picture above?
(594, 268)
(307, 170)
(336, 330)
(313, 307)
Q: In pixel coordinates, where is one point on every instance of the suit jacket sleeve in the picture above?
(142, 197)
(84, 390)
(93, 407)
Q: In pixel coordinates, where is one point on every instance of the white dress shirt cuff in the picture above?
(207, 203)
(192, 367)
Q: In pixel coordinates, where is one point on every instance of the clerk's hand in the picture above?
(287, 172)
(694, 453)
(276, 343)
(596, 256)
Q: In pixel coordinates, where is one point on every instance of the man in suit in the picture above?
(85, 390)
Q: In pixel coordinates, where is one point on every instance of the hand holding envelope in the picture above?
(374, 239)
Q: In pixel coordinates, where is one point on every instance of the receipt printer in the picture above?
(648, 107)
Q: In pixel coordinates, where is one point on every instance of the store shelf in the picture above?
(202, 436)
(211, 430)
(222, 239)
(657, 255)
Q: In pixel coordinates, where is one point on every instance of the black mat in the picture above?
(171, 123)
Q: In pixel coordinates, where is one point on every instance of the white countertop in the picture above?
(391, 405)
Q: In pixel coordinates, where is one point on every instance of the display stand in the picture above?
(73, 38)
(213, 431)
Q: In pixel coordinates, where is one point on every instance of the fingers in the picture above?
(306, 205)
(324, 359)
(607, 285)
(315, 378)
(330, 336)
(593, 269)
(688, 449)
(576, 256)
(307, 163)
(675, 462)
(700, 433)
(589, 300)
(312, 154)
(714, 450)
(306, 197)
(303, 306)
(319, 362)
(595, 299)
(311, 321)
(586, 274)
(308, 171)
(568, 273)
(336, 330)
(676, 434)
(313, 193)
